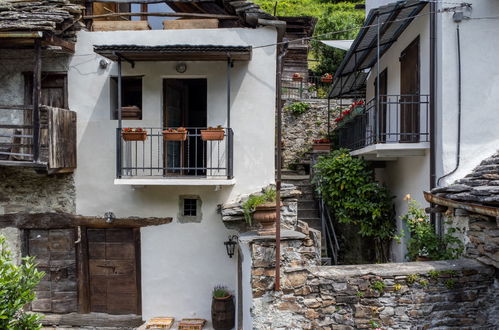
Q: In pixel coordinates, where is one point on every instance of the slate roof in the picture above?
(481, 186)
(59, 17)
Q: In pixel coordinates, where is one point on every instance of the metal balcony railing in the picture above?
(310, 87)
(191, 158)
(397, 119)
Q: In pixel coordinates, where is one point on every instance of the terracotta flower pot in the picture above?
(174, 136)
(327, 80)
(212, 134)
(422, 258)
(266, 216)
(297, 78)
(134, 136)
(321, 146)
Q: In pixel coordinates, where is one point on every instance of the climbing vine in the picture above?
(348, 187)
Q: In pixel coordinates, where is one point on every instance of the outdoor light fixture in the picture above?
(109, 216)
(103, 64)
(181, 67)
(230, 245)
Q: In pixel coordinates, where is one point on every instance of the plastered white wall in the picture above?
(180, 262)
(480, 86)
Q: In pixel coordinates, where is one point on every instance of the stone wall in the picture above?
(459, 294)
(299, 131)
(22, 190)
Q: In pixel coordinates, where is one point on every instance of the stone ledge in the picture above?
(252, 236)
(393, 269)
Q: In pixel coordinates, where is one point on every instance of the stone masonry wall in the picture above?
(299, 131)
(420, 295)
(22, 190)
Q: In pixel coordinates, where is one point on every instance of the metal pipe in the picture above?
(433, 95)
(277, 286)
(229, 66)
(119, 151)
(377, 80)
(459, 108)
(37, 92)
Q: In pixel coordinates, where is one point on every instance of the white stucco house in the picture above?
(430, 120)
(192, 76)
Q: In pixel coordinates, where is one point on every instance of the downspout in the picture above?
(459, 107)
(282, 52)
(433, 93)
(118, 140)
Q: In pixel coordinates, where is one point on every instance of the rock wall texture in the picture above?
(300, 130)
(483, 239)
(420, 295)
(22, 190)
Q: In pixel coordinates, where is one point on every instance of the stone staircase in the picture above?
(308, 209)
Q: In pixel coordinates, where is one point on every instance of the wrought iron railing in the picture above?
(396, 119)
(192, 158)
(311, 87)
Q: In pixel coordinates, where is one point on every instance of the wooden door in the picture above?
(114, 270)
(381, 114)
(409, 90)
(54, 250)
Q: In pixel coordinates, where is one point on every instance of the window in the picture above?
(131, 98)
(189, 209)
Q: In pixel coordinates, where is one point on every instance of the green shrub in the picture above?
(249, 206)
(297, 108)
(17, 284)
(378, 286)
(424, 241)
(348, 187)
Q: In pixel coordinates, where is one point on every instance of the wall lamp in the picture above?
(230, 245)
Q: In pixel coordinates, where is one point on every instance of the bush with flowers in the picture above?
(356, 108)
(424, 241)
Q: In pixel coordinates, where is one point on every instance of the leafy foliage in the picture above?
(249, 206)
(425, 241)
(297, 108)
(17, 284)
(348, 187)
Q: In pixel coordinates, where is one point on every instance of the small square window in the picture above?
(131, 98)
(190, 207)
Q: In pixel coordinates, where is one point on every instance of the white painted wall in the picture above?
(480, 86)
(406, 175)
(180, 262)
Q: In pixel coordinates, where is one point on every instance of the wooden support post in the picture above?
(83, 275)
(143, 8)
(37, 93)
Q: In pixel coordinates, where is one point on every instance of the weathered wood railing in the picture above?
(56, 146)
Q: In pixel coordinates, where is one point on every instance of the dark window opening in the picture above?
(190, 207)
(131, 98)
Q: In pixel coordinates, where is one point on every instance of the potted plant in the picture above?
(297, 77)
(133, 134)
(172, 134)
(327, 78)
(424, 243)
(321, 145)
(222, 308)
(261, 209)
(213, 133)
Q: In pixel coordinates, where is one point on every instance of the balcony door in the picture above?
(185, 105)
(409, 90)
(381, 112)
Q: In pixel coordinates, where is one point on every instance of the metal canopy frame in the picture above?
(382, 28)
(128, 53)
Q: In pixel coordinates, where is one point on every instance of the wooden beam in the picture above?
(56, 41)
(66, 220)
(20, 34)
(37, 94)
(82, 269)
(158, 14)
(93, 320)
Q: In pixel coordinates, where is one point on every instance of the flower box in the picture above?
(212, 134)
(297, 78)
(179, 134)
(321, 146)
(326, 80)
(133, 134)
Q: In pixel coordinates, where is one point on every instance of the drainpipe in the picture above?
(282, 52)
(433, 93)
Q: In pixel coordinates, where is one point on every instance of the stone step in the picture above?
(325, 261)
(308, 213)
(306, 195)
(312, 222)
(307, 203)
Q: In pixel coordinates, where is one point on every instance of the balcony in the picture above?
(46, 142)
(191, 162)
(398, 127)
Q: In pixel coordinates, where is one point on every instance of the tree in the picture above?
(17, 284)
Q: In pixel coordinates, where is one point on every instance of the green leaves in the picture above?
(17, 284)
(348, 187)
